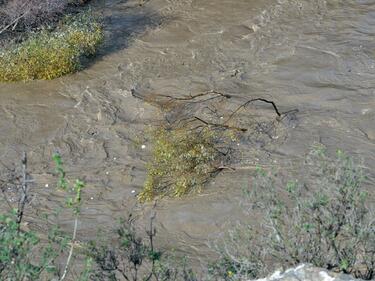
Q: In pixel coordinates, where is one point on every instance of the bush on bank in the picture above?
(325, 219)
(50, 54)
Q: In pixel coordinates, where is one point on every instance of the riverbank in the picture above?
(324, 68)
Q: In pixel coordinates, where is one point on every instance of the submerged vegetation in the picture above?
(134, 257)
(187, 153)
(183, 161)
(178, 165)
(49, 54)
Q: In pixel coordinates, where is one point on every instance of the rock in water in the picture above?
(307, 272)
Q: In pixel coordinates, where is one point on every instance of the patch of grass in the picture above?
(183, 160)
(50, 54)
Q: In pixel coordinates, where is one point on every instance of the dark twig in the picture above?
(24, 187)
(136, 95)
(151, 234)
(219, 94)
(251, 101)
(220, 125)
(192, 97)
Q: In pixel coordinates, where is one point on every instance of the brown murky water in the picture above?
(314, 55)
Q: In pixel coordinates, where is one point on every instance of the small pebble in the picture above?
(92, 198)
(107, 173)
(114, 158)
(133, 191)
(143, 146)
(46, 185)
(365, 111)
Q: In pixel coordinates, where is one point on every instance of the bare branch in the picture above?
(71, 249)
(192, 97)
(251, 101)
(220, 125)
(24, 187)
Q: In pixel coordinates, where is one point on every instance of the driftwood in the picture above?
(185, 113)
(193, 99)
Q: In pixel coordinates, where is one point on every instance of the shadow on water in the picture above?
(123, 21)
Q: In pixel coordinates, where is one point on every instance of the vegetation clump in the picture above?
(29, 255)
(50, 54)
(183, 160)
(134, 258)
(325, 221)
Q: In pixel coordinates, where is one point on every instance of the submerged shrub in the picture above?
(326, 221)
(133, 257)
(51, 54)
(183, 161)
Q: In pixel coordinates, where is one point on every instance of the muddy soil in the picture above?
(314, 55)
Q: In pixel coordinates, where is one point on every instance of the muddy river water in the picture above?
(314, 55)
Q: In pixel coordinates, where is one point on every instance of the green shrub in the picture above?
(183, 160)
(84, 32)
(50, 54)
(325, 221)
(24, 255)
(15, 253)
(133, 257)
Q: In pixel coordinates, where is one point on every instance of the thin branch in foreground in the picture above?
(71, 249)
(22, 201)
